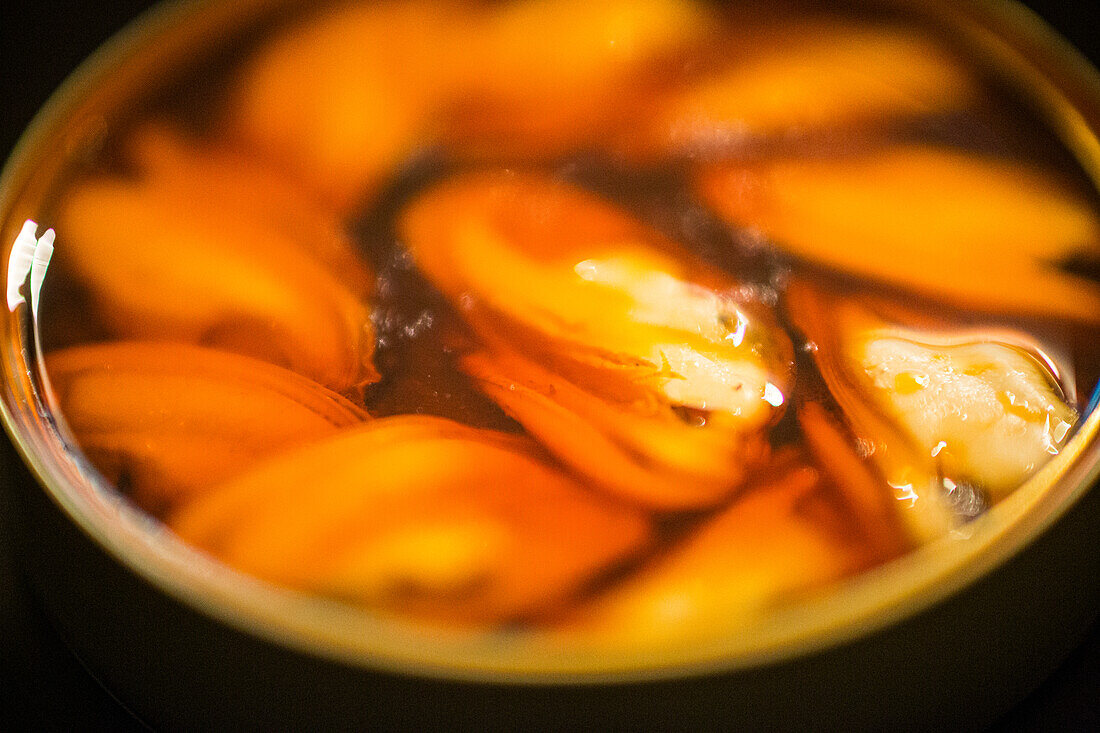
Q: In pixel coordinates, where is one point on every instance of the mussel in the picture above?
(338, 99)
(953, 418)
(924, 218)
(203, 246)
(718, 579)
(168, 421)
(419, 516)
(582, 73)
(819, 78)
(596, 325)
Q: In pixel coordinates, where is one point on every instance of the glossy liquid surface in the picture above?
(639, 330)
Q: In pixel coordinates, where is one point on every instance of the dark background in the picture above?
(41, 685)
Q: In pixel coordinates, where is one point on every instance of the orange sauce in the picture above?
(565, 315)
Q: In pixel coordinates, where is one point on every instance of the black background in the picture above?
(41, 685)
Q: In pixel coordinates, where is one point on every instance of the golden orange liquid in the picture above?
(550, 314)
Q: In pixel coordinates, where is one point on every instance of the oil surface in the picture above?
(654, 404)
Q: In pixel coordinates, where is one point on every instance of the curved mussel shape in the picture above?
(341, 99)
(953, 419)
(205, 247)
(597, 326)
(785, 538)
(418, 516)
(538, 79)
(811, 79)
(166, 421)
(926, 219)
